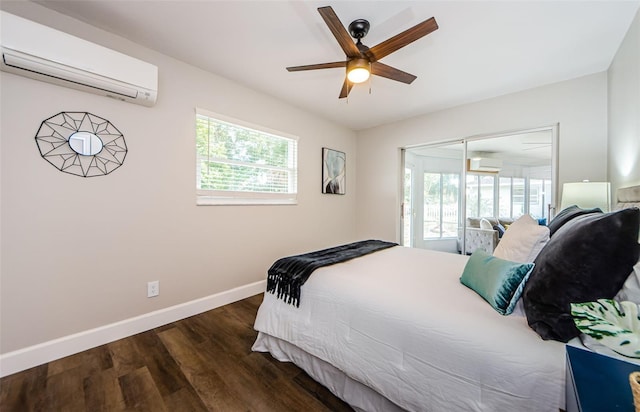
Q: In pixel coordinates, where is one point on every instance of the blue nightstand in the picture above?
(598, 383)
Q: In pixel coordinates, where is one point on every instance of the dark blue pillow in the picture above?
(500, 229)
(568, 214)
(589, 258)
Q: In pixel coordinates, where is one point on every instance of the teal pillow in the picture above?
(498, 281)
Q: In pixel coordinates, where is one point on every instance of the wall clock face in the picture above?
(81, 143)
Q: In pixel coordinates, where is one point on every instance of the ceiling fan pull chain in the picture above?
(370, 79)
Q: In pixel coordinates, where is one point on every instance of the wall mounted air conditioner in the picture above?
(484, 164)
(40, 52)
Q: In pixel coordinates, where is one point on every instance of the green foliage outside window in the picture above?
(239, 159)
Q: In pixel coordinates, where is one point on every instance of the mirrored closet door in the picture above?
(461, 196)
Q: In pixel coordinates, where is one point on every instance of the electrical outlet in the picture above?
(153, 288)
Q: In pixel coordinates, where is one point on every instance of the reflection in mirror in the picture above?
(432, 196)
(507, 176)
(502, 177)
(85, 143)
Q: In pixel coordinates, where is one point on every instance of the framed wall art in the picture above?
(334, 171)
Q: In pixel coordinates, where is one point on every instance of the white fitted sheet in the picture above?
(400, 322)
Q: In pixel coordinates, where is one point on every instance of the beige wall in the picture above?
(579, 106)
(624, 111)
(77, 252)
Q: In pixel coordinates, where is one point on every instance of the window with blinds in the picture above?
(240, 163)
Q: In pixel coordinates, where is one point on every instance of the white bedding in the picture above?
(400, 322)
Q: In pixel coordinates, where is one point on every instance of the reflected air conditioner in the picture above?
(484, 164)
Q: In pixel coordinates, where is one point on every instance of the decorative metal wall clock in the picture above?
(81, 143)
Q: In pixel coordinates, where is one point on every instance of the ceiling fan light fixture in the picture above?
(358, 70)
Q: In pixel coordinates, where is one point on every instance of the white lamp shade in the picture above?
(358, 75)
(587, 195)
(358, 70)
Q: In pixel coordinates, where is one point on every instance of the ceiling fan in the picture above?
(363, 61)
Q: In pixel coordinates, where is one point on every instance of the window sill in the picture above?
(231, 201)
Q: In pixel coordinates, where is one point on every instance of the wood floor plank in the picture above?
(65, 364)
(184, 400)
(125, 356)
(238, 338)
(89, 362)
(166, 373)
(246, 377)
(230, 337)
(140, 392)
(65, 391)
(103, 356)
(270, 381)
(102, 392)
(210, 386)
(245, 310)
(163, 368)
(193, 330)
(202, 363)
(25, 391)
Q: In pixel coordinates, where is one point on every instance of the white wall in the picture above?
(624, 111)
(77, 252)
(579, 106)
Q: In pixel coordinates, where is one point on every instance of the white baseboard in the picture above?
(35, 355)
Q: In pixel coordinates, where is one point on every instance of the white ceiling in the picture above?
(481, 50)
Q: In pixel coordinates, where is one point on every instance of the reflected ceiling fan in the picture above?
(363, 61)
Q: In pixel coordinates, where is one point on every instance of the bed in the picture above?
(396, 330)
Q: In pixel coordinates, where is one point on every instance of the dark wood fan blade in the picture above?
(346, 88)
(381, 69)
(317, 66)
(339, 32)
(400, 40)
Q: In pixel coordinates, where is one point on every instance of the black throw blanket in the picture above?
(288, 274)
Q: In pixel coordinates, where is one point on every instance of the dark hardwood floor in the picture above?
(202, 363)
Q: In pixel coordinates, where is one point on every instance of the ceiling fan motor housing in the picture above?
(359, 28)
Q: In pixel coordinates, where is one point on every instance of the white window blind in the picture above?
(240, 163)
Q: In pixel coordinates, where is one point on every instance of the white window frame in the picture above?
(206, 197)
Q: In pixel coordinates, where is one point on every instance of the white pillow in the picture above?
(522, 242)
(485, 224)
